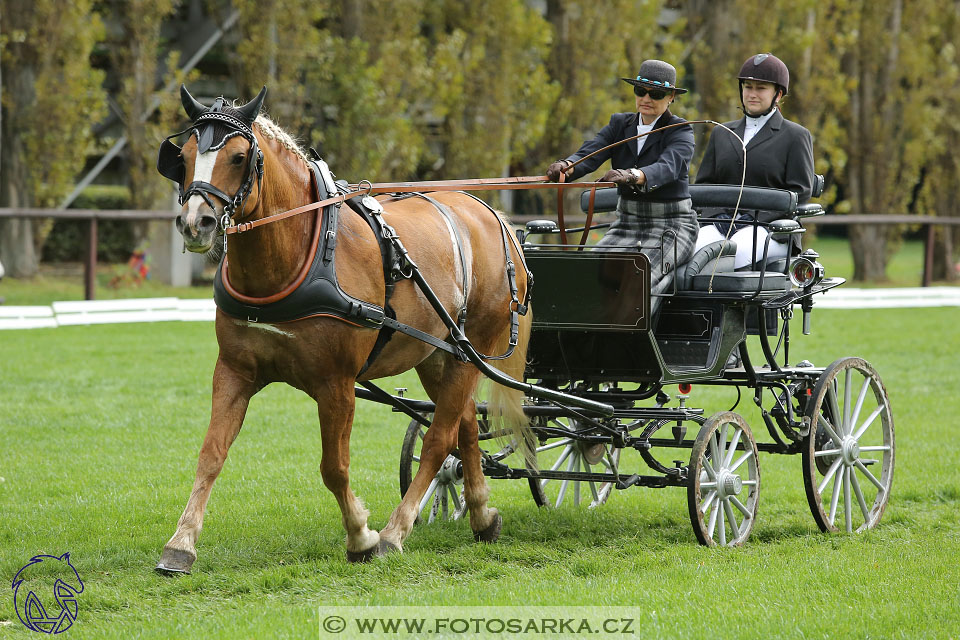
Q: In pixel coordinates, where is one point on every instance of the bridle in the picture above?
(170, 161)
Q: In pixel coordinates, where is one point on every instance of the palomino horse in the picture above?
(239, 162)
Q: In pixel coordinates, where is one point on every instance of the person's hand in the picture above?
(555, 169)
(620, 176)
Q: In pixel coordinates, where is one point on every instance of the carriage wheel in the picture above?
(566, 454)
(724, 483)
(444, 497)
(849, 450)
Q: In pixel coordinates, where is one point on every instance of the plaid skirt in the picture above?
(655, 228)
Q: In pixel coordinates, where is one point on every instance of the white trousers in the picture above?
(744, 240)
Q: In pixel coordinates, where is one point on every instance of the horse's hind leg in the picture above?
(231, 395)
(484, 521)
(336, 404)
(450, 385)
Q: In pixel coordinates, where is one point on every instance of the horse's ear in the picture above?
(193, 108)
(251, 110)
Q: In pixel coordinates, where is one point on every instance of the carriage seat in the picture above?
(713, 196)
(715, 261)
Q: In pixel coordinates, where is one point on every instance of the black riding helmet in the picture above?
(765, 67)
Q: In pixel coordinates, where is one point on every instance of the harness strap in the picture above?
(465, 277)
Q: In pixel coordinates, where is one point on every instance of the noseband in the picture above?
(206, 127)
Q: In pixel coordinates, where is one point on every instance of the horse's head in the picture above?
(219, 169)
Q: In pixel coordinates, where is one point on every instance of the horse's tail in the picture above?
(505, 405)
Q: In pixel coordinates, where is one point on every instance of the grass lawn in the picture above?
(100, 428)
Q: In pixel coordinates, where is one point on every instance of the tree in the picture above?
(135, 52)
(51, 99)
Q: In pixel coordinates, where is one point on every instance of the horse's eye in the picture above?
(237, 159)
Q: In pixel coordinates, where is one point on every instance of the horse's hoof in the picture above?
(492, 532)
(175, 562)
(382, 548)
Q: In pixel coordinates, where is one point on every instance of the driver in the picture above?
(651, 174)
(779, 155)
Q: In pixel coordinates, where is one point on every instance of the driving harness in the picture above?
(317, 292)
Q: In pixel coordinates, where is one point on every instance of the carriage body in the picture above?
(593, 337)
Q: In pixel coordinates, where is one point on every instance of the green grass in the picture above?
(100, 428)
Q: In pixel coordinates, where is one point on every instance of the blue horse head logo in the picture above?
(46, 572)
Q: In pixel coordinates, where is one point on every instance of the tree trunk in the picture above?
(944, 264)
(868, 244)
(17, 250)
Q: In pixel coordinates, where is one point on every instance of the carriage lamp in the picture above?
(805, 270)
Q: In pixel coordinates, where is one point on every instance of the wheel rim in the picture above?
(443, 499)
(724, 487)
(848, 456)
(567, 454)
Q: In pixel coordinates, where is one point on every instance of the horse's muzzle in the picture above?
(198, 231)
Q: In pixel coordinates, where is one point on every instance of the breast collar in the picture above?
(316, 291)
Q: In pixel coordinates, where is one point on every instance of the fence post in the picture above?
(928, 256)
(90, 268)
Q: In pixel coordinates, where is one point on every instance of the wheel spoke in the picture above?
(714, 451)
(847, 425)
(822, 419)
(455, 496)
(723, 527)
(741, 460)
(429, 494)
(826, 452)
(731, 518)
(872, 478)
(869, 421)
(444, 504)
(707, 501)
(733, 447)
(859, 493)
(834, 409)
(416, 459)
(847, 502)
(710, 472)
(829, 474)
(554, 445)
(835, 498)
(593, 490)
(576, 483)
(742, 507)
(712, 523)
(875, 448)
(563, 456)
(708, 485)
(860, 398)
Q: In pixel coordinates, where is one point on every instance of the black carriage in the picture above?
(594, 338)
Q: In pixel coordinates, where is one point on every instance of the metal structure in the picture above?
(594, 339)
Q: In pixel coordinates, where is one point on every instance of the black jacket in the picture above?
(664, 159)
(780, 155)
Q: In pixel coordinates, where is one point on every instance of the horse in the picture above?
(460, 247)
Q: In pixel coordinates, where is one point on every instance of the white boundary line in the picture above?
(87, 312)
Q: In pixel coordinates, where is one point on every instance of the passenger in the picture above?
(779, 155)
(651, 175)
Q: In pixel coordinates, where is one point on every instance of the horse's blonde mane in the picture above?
(272, 130)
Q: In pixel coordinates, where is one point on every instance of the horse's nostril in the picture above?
(179, 223)
(208, 223)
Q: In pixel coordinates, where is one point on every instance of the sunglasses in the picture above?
(655, 94)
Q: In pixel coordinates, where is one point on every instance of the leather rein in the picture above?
(366, 188)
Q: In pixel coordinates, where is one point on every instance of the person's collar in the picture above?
(759, 121)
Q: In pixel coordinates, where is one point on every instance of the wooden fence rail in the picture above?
(94, 215)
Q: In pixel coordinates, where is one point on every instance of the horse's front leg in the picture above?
(336, 404)
(231, 395)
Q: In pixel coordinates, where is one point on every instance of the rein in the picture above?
(480, 184)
